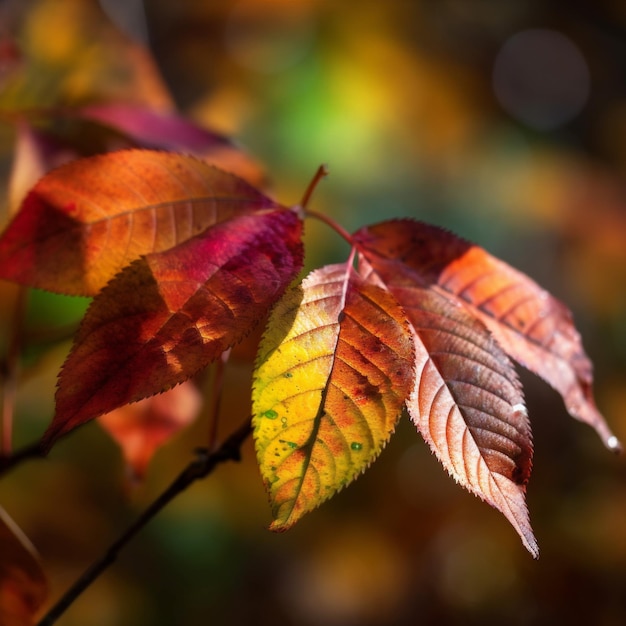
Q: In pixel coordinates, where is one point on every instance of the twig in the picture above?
(217, 386)
(11, 371)
(204, 463)
(322, 172)
(32, 451)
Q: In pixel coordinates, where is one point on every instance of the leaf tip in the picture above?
(279, 527)
(530, 543)
(614, 444)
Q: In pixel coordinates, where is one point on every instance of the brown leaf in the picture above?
(467, 401)
(533, 327)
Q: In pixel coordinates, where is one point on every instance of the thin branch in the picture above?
(217, 387)
(204, 463)
(340, 230)
(11, 371)
(9, 462)
(322, 172)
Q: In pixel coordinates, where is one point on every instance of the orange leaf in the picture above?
(23, 585)
(85, 221)
(466, 401)
(143, 427)
(169, 314)
(534, 328)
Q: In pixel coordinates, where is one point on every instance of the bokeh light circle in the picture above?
(541, 79)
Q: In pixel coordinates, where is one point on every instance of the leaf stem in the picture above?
(217, 386)
(340, 230)
(204, 463)
(322, 172)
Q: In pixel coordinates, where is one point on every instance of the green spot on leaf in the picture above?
(355, 445)
(290, 444)
(270, 414)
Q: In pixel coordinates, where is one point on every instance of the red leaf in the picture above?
(466, 402)
(146, 128)
(85, 221)
(143, 427)
(169, 314)
(154, 129)
(23, 585)
(533, 327)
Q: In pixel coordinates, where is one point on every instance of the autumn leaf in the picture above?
(83, 222)
(31, 156)
(46, 139)
(466, 400)
(169, 314)
(532, 326)
(23, 585)
(147, 128)
(74, 54)
(334, 368)
(143, 427)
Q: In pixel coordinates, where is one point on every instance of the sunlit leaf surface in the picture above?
(533, 327)
(86, 220)
(170, 314)
(333, 371)
(466, 402)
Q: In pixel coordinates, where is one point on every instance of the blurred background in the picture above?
(505, 122)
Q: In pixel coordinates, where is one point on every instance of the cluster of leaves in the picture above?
(184, 259)
(168, 228)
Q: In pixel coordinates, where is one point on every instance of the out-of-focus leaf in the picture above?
(10, 56)
(147, 128)
(35, 154)
(534, 328)
(143, 427)
(47, 139)
(73, 54)
(86, 220)
(334, 369)
(169, 314)
(23, 584)
(466, 401)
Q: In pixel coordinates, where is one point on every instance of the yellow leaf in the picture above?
(335, 366)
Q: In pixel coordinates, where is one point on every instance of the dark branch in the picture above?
(32, 451)
(204, 463)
